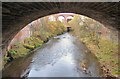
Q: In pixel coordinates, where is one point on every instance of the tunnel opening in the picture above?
(68, 29)
(69, 25)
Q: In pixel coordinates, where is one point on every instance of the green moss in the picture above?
(13, 52)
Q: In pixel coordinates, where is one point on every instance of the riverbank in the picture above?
(37, 39)
(108, 60)
(17, 66)
(100, 40)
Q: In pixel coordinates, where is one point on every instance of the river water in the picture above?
(62, 56)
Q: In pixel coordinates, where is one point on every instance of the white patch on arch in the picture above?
(70, 17)
(61, 18)
(52, 18)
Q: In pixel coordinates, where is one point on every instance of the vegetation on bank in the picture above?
(39, 36)
(104, 48)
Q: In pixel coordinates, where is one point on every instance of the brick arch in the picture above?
(69, 16)
(60, 16)
(65, 15)
(15, 16)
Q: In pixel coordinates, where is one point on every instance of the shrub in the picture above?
(12, 52)
(29, 46)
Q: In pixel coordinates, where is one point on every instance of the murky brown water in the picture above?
(60, 57)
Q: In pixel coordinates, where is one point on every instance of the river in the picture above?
(62, 56)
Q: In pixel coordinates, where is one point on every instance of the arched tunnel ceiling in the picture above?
(16, 15)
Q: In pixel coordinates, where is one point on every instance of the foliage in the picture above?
(33, 42)
(12, 52)
(56, 27)
(5, 58)
(28, 46)
(105, 50)
(39, 35)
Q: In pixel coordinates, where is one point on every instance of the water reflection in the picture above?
(64, 67)
(68, 58)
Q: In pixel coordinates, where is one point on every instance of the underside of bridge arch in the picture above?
(15, 16)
